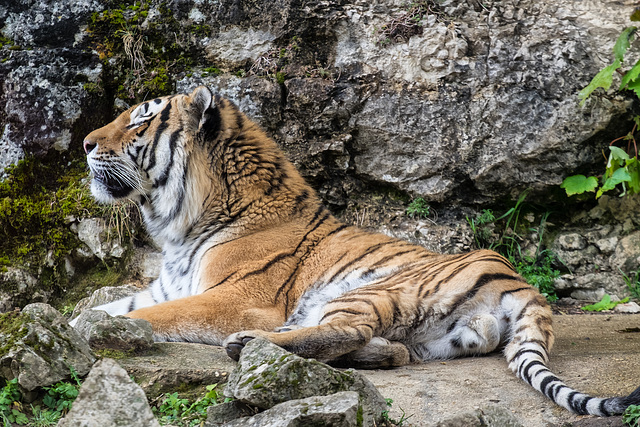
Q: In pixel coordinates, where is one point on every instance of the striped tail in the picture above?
(527, 355)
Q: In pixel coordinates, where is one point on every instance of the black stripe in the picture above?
(348, 265)
(220, 282)
(132, 303)
(603, 408)
(526, 350)
(164, 117)
(545, 383)
(482, 281)
(342, 310)
(164, 177)
(513, 291)
(531, 302)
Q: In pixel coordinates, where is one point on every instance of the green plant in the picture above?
(623, 168)
(633, 284)
(418, 208)
(61, 395)
(43, 417)
(604, 304)
(179, 411)
(385, 415)
(538, 269)
(482, 227)
(540, 273)
(631, 416)
(9, 405)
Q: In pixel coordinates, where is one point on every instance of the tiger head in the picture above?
(191, 160)
(140, 150)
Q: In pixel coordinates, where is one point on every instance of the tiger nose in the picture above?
(88, 146)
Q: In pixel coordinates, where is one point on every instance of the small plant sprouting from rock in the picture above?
(538, 270)
(622, 170)
(418, 208)
(391, 421)
(57, 401)
(409, 23)
(633, 283)
(631, 416)
(10, 406)
(178, 411)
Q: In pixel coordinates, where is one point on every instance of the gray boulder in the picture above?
(118, 333)
(267, 375)
(336, 410)
(38, 347)
(108, 397)
(486, 416)
(103, 296)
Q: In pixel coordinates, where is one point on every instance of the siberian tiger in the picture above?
(248, 248)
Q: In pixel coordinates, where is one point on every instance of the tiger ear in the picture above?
(205, 107)
(201, 98)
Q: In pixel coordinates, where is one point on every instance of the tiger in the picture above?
(250, 251)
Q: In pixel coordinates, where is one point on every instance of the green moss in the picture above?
(37, 202)
(12, 329)
(114, 354)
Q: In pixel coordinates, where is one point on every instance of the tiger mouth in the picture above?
(112, 185)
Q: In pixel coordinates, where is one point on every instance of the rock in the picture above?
(486, 416)
(43, 103)
(18, 288)
(108, 397)
(222, 413)
(336, 410)
(630, 307)
(572, 241)
(103, 296)
(167, 366)
(627, 254)
(267, 375)
(38, 347)
(102, 242)
(103, 331)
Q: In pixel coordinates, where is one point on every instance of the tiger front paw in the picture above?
(236, 342)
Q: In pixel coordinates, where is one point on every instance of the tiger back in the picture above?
(248, 249)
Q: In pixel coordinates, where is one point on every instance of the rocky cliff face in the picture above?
(464, 104)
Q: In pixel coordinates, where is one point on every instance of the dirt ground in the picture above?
(595, 354)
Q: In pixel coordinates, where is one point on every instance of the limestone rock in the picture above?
(336, 410)
(630, 307)
(38, 347)
(108, 397)
(94, 233)
(225, 412)
(486, 416)
(267, 375)
(103, 331)
(21, 288)
(43, 103)
(627, 254)
(103, 296)
(168, 366)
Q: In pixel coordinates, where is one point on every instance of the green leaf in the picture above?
(633, 167)
(630, 76)
(618, 153)
(635, 86)
(579, 184)
(635, 16)
(604, 304)
(601, 80)
(623, 43)
(619, 176)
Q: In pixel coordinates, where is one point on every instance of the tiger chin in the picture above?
(248, 248)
